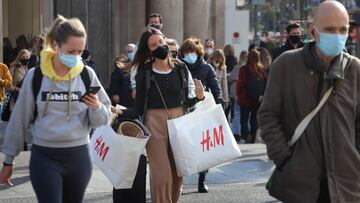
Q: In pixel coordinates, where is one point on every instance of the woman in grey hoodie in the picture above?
(60, 165)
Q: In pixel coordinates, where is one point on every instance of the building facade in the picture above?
(111, 24)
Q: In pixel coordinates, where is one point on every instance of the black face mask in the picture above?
(161, 52)
(295, 39)
(156, 26)
(24, 62)
(174, 54)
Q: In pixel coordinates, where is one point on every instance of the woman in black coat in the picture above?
(193, 56)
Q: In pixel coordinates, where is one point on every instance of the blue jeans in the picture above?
(248, 114)
(235, 125)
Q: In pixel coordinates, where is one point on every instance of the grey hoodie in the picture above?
(54, 128)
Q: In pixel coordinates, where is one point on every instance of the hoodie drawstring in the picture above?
(68, 116)
(69, 100)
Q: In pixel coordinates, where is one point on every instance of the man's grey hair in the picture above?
(130, 45)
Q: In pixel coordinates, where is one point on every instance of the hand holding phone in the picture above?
(91, 90)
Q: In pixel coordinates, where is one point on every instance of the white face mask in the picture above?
(209, 51)
(216, 64)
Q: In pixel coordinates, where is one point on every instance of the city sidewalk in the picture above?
(252, 167)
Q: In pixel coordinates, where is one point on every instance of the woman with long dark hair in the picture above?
(171, 90)
(250, 90)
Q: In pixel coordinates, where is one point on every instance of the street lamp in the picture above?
(239, 3)
(256, 4)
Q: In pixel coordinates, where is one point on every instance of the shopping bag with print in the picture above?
(117, 153)
(201, 140)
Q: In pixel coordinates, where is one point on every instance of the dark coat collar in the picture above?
(313, 62)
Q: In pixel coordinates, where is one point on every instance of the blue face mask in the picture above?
(131, 56)
(69, 60)
(190, 58)
(331, 44)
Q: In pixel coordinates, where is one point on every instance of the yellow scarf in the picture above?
(47, 69)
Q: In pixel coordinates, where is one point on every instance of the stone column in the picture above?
(63, 7)
(197, 19)
(99, 30)
(80, 9)
(172, 13)
(96, 15)
(129, 23)
(116, 28)
(1, 33)
(218, 23)
(73, 8)
(47, 10)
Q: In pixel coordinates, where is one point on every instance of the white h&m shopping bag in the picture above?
(116, 155)
(201, 139)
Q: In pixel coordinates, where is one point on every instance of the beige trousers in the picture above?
(164, 181)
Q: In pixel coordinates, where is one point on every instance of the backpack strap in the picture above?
(36, 85)
(85, 77)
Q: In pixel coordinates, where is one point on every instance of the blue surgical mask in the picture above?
(69, 60)
(131, 56)
(190, 58)
(331, 44)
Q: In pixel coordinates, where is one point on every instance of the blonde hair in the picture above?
(120, 61)
(192, 44)
(265, 57)
(172, 42)
(63, 28)
(254, 63)
(18, 57)
(243, 57)
(218, 53)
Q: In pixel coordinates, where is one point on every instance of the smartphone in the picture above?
(91, 90)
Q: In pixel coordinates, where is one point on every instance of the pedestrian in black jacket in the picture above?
(193, 56)
(120, 85)
(231, 62)
(161, 94)
(230, 58)
(292, 42)
(193, 53)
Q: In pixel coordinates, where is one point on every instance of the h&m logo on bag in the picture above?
(101, 148)
(209, 142)
(60, 96)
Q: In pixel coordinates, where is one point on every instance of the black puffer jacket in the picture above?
(286, 47)
(231, 62)
(120, 85)
(205, 72)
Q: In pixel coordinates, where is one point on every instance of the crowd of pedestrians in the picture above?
(260, 79)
